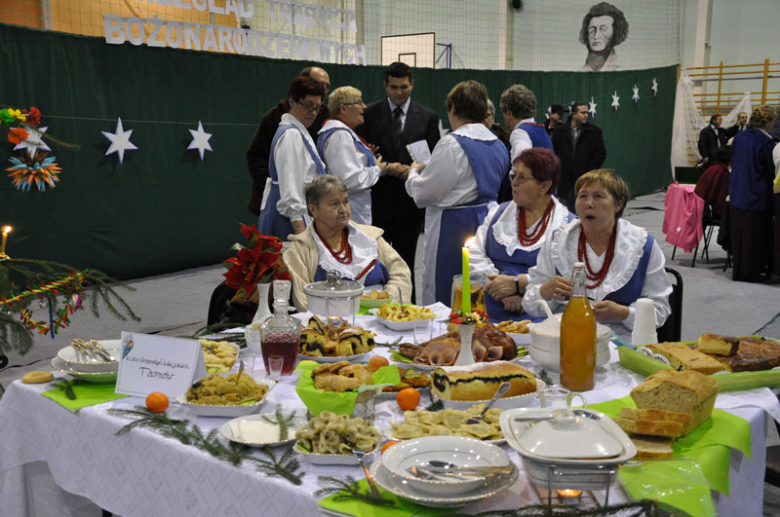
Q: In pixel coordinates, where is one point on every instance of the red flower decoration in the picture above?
(260, 262)
(17, 135)
(33, 116)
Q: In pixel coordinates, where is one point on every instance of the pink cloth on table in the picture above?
(682, 220)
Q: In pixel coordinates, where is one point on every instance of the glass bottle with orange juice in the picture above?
(578, 336)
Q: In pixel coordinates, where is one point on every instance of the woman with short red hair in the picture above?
(509, 239)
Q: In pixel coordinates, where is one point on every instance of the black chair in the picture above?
(671, 330)
(709, 221)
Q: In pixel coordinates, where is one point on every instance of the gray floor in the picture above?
(177, 303)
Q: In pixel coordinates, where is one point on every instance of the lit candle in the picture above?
(6, 231)
(569, 493)
(465, 303)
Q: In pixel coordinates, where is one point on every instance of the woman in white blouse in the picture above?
(293, 163)
(623, 262)
(508, 241)
(346, 155)
(457, 188)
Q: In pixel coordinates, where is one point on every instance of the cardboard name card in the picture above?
(158, 363)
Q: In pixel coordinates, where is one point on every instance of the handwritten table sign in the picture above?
(158, 363)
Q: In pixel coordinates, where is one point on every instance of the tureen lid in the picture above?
(334, 287)
(569, 434)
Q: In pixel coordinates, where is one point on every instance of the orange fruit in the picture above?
(389, 444)
(376, 362)
(157, 402)
(408, 398)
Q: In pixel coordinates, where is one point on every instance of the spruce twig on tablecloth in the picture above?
(283, 421)
(345, 490)
(643, 507)
(286, 466)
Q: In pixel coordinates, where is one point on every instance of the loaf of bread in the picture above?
(650, 427)
(718, 345)
(682, 392)
(659, 415)
(682, 357)
(653, 447)
(480, 381)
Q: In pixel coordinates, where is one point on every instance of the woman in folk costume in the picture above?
(333, 243)
(507, 243)
(457, 187)
(293, 163)
(623, 262)
(346, 155)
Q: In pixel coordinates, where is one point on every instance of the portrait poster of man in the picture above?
(604, 27)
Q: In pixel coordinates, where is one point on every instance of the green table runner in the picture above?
(87, 394)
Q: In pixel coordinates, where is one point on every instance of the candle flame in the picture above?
(569, 492)
(7, 230)
(469, 242)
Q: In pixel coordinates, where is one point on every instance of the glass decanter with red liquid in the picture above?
(280, 334)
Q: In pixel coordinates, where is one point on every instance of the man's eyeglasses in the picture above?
(311, 108)
(520, 179)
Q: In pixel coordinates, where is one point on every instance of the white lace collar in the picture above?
(629, 247)
(505, 229)
(475, 131)
(364, 250)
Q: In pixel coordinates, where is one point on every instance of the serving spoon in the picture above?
(499, 393)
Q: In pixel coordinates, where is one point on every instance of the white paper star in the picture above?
(120, 141)
(34, 141)
(615, 100)
(654, 87)
(635, 97)
(200, 141)
(592, 107)
(686, 80)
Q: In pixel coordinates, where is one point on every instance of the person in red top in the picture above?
(713, 186)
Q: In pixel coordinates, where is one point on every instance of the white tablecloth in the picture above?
(143, 473)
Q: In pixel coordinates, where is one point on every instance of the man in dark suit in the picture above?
(392, 124)
(710, 139)
(580, 147)
(259, 151)
(741, 125)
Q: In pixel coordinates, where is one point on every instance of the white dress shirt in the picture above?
(295, 168)
(561, 252)
(519, 139)
(404, 108)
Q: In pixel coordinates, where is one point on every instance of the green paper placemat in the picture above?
(340, 403)
(87, 394)
(402, 507)
(676, 482)
(709, 444)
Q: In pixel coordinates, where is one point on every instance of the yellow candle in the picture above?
(466, 283)
(6, 231)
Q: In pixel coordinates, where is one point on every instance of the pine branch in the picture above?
(545, 377)
(285, 467)
(644, 507)
(283, 421)
(346, 490)
(14, 335)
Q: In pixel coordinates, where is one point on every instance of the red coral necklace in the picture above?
(582, 254)
(344, 254)
(533, 238)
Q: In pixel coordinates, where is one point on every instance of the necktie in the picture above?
(397, 129)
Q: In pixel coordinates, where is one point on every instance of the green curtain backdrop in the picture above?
(165, 210)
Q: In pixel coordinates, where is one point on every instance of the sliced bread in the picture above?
(683, 392)
(655, 414)
(653, 447)
(718, 345)
(650, 427)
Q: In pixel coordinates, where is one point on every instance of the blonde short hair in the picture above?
(761, 116)
(613, 183)
(341, 96)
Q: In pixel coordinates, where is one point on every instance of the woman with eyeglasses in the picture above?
(346, 155)
(508, 241)
(293, 163)
(622, 262)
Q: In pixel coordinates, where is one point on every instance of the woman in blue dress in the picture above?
(334, 243)
(293, 163)
(508, 241)
(623, 262)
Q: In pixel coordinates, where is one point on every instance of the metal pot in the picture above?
(334, 297)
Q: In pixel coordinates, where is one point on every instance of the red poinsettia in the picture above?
(259, 262)
(33, 116)
(17, 135)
